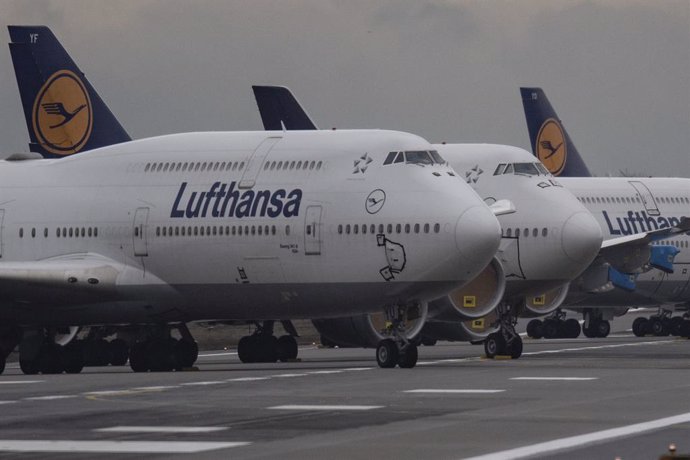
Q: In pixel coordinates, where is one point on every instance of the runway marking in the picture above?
(247, 379)
(16, 382)
(555, 378)
(156, 388)
(584, 440)
(161, 429)
(208, 382)
(323, 407)
(288, 375)
(452, 391)
(109, 392)
(599, 347)
(49, 398)
(355, 369)
(7, 402)
(324, 372)
(132, 447)
(229, 353)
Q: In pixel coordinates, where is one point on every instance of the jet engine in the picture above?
(543, 304)
(368, 330)
(471, 330)
(474, 300)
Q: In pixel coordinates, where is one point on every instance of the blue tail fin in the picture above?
(64, 114)
(549, 139)
(280, 110)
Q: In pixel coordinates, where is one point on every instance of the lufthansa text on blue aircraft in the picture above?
(223, 200)
(637, 222)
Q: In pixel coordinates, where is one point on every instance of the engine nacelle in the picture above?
(543, 304)
(475, 299)
(65, 336)
(368, 330)
(471, 330)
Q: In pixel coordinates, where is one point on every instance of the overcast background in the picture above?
(617, 72)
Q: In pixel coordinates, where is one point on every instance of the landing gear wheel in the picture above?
(387, 354)
(684, 329)
(676, 322)
(408, 358)
(591, 331)
(514, 349)
(535, 329)
(138, 360)
(74, 357)
(118, 352)
(603, 328)
(571, 328)
(186, 353)
(551, 329)
(287, 348)
(494, 345)
(29, 367)
(640, 327)
(657, 327)
(2, 361)
(244, 349)
(50, 359)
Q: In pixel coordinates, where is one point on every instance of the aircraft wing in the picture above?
(648, 237)
(65, 280)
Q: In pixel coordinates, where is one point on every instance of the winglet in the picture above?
(64, 114)
(280, 110)
(548, 137)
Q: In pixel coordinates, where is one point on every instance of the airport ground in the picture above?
(619, 397)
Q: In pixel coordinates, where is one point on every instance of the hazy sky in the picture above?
(617, 71)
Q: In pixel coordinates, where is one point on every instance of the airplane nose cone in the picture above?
(477, 236)
(581, 237)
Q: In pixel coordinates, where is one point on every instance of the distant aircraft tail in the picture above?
(64, 114)
(550, 141)
(280, 110)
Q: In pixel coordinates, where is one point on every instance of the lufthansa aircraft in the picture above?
(623, 206)
(236, 226)
(548, 239)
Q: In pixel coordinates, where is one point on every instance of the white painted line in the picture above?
(108, 393)
(584, 440)
(7, 402)
(555, 378)
(248, 379)
(50, 398)
(599, 347)
(132, 447)
(229, 353)
(161, 429)
(358, 368)
(156, 388)
(209, 382)
(452, 391)
(322, 407)
(288, 375)
(324, 372)
(19, 382)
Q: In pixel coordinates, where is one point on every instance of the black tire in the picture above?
(118, 352)
(51, 359)
(429, 341)
(640, 327)
(591, 331)
(97, 352)
(657, 327)
(603, 328)
(535, 329)
(245, 349)
(387, 354)
(494, 345)
(515, 348)
(267, 346)
(287, 348)
(551, 329)
(675, 324)
(159, 353)
(571, 328)
(138, 359)
(684, 329)
(74, 357)
(186, 353)
(2, 361)
(29, 367)
(408, 358)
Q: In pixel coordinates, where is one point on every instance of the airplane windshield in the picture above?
(526, 168)
(529, 169)
(415, 157)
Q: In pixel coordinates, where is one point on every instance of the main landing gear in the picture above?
(595, 326)
(398, 350)
(38, 352)
(264, 347)
(506, 340)
(662, 324)
(554, 327)
(160, 352)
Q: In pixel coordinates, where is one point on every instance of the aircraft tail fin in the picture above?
(549, 139)
(64, 114)
(280, 110)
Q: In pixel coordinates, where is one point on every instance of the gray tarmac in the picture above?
(561, 399)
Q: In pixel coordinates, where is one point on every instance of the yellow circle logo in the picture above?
(551, 148)
(62, 116)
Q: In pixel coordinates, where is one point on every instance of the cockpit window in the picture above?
(529, 169)
(420, 157)
(526, 168)
(389, 158)
(542, 169)
(437, 157)
(400, 158)
(500, 169)
(509, 169)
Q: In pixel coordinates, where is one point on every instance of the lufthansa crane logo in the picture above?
(551, 147)
(375, 201)
(62, 116)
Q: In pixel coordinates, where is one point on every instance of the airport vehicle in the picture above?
(543, 246)
(622, 206)
(232, 226)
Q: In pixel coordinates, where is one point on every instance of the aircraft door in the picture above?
(647, 198)
(253, 168)
(141, 218)
(312, 231)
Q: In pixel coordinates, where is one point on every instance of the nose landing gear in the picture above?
(398, 350)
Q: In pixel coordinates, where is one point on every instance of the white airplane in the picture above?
(233, 226)
(623, 206)
(548, 239)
